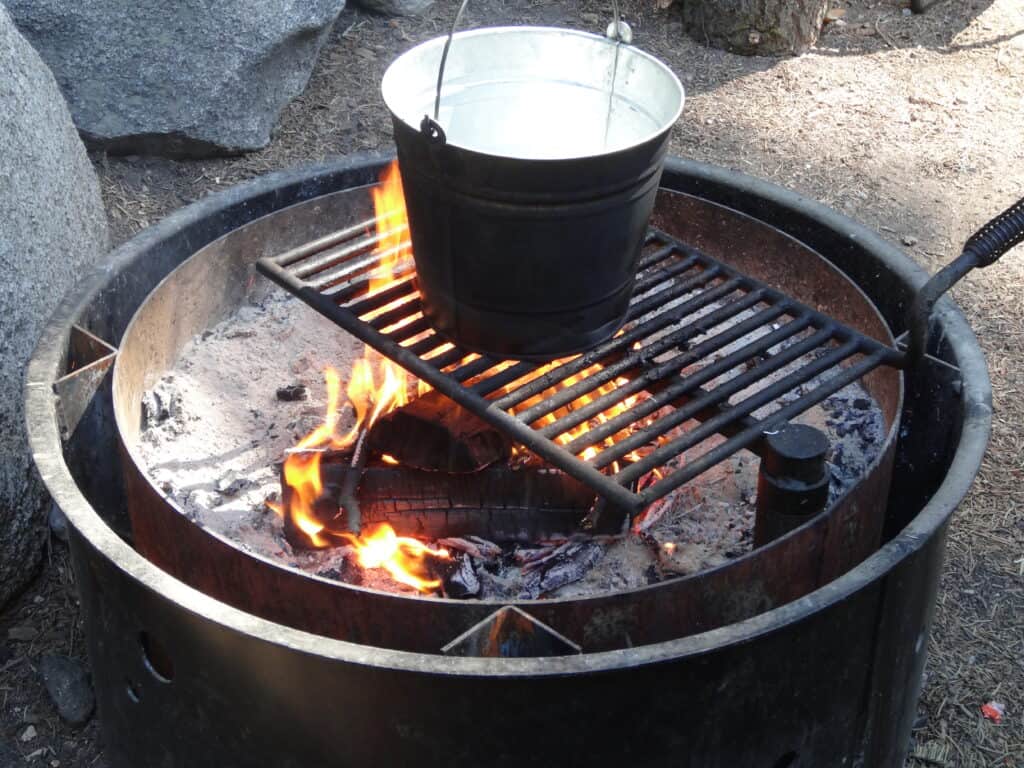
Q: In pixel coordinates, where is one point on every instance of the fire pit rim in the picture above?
(299, 184)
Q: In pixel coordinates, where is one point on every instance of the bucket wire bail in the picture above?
(618, 31)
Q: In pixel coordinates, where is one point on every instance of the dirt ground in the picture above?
(911, 124)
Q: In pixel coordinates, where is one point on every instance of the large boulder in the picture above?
(188, 78)
(52, 227)
(395, 7)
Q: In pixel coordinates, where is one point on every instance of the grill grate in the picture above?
(705, 352)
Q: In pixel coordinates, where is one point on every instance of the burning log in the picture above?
(435, 434)
(499, 503)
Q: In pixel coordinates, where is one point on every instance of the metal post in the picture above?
(792, 484)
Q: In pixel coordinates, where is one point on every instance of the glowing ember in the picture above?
(401, 556)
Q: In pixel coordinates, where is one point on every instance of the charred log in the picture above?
(433, 433)
(499, 503)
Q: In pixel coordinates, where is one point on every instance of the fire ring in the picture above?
(824, 677)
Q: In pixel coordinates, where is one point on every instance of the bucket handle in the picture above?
(618, 31)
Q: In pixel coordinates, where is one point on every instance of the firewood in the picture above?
(435, 434)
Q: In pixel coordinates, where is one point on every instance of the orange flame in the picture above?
(402, 557)
(377, 387)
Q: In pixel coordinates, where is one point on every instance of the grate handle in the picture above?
(983, 249)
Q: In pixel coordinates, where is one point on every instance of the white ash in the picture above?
(215, 427)
(248, 389)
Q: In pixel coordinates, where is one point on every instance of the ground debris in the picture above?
(24, 633)
(993, 711)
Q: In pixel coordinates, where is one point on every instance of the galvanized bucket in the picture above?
(530, 159)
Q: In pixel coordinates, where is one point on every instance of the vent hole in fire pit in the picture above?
(789, 760)
(156, 658)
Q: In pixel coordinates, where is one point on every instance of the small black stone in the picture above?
(67, 682)
(293, 393)
(862, 404)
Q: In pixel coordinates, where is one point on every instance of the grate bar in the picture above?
(427, 344)
(675, 282)
(654, 257)
(360, 287)
(412, 330)
(664, 453)
(502, 378)
(452, 356)
(393, 316)
(579, 364)
(638, 358)
(688, 385)
(654, 276)
(329, 240)
(367, 305)
(663, 370)
(646, 305)
(744, 438)
(364, 262)
(333, 256)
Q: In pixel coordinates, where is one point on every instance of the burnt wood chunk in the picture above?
(459, 580)
(433, 433)
(500, 503)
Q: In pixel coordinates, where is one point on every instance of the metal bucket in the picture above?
(529, 192)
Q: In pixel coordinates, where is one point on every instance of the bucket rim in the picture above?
(392, 73)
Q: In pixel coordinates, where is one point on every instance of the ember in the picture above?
(401, 556)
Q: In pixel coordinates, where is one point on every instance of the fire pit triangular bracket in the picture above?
(510, 633)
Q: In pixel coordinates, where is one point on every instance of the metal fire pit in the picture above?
(828, 678)
(211, 284)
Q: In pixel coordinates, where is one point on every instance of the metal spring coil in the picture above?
(998, 236)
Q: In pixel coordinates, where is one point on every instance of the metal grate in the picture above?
(706, 351)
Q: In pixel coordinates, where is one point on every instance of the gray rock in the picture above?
(395, 7)
(188, 78)
(67, 682)
(52, 227)
(58, 523)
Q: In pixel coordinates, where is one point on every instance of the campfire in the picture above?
(207, 394)
(403, 428)
(423, 490)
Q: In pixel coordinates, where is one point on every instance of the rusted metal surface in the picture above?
(89, 359)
